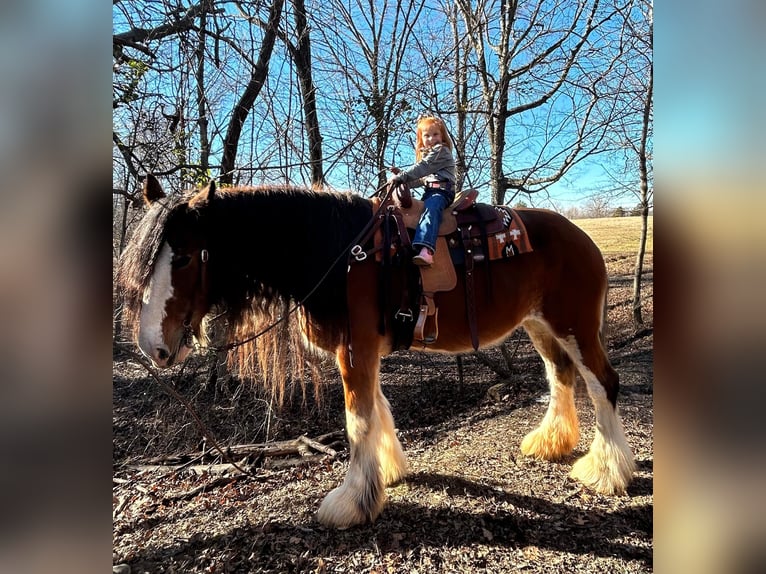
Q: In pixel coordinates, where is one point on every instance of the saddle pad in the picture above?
(440, 276)
(508, 237)
(514, 240)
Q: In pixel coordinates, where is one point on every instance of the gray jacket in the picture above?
(436, 165)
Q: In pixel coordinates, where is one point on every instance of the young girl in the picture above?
(434, 170)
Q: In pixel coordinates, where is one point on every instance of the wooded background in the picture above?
(327, 93)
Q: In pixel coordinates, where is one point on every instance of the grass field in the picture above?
(617, 234)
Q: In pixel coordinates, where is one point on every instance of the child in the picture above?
(435, 170)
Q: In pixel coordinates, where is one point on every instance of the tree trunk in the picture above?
(302, 57)
(461, 98)
(245, 103)
(497, 146)
(638, 320)
(204, 141)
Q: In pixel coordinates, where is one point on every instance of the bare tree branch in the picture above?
(136, 36)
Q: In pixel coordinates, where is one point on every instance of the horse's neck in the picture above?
(287, 243)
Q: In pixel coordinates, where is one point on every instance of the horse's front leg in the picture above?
(377, 459)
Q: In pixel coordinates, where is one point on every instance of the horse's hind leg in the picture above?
(608, 466)
(376, 454)
(558, 432)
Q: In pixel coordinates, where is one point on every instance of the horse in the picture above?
(240, 249)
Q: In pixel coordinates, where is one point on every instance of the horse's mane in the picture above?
(296, 242)
(271, 247)
(274, 244)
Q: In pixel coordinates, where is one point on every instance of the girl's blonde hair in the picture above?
(426, 122)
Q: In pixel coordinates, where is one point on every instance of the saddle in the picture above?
(470, 233)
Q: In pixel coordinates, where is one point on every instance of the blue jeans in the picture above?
(428, 226)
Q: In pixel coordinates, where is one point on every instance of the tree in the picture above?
(541, 64)
(301, 53)
(250, 93)
(597, 206)
(645, 42)
(632, 129)
(365, 57)
(299, 50)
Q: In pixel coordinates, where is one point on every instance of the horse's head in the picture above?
(165, 267)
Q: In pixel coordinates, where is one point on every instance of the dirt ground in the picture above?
(471, 504)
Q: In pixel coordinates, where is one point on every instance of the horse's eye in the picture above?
(180, 261)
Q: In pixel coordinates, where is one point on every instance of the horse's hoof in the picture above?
(609, 476)
(547, 445)
(340, 510)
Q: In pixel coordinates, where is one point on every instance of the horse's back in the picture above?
(559, 242)
(549, 229)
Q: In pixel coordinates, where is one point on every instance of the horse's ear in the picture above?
(210, 191)
(152, 190)
(204, 196)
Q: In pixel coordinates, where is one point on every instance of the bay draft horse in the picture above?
(237, 247)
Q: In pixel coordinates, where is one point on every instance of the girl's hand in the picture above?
(395, 170)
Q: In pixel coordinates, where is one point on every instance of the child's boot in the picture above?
(424, 259)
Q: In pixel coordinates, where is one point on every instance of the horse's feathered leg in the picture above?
(558, 432)
(376, 454)
(608, 466)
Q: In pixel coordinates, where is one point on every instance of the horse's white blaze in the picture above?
(153, 310)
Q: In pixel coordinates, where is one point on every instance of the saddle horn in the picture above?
(402, 196)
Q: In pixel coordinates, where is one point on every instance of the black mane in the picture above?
(283, 243)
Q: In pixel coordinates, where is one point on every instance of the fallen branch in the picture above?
(301, 446)
(215, 483)
(318, 446)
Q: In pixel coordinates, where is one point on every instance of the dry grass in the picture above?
(617, 234)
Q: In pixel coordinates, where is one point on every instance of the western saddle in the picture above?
(469, 233)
